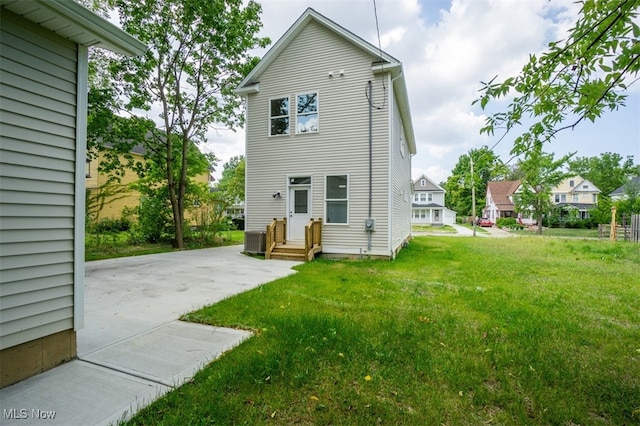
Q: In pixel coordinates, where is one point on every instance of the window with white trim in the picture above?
(307, 113)
(279, 116)
(337, 199)
(576, 198)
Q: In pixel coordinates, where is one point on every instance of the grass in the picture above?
(455, 331)
(113, 245)
(560, 232)
(444, 229)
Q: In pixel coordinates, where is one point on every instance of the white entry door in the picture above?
(299, 201)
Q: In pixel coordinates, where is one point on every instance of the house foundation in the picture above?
(28, 359)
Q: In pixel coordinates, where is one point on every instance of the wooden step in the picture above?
(292, 252)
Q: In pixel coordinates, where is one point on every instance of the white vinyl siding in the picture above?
(340, 148)
(401, 183)
(38, 104)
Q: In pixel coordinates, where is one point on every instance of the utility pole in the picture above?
(473, 196)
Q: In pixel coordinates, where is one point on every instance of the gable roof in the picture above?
(631, 183)
(76, 23)
(501, 190)
(430, 185)
(564, 187)
(384, 63)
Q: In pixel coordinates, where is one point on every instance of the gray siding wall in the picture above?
(401, 183)
(38, 76)
(340, 147)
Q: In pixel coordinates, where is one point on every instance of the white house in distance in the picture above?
(499, 202)
(622, 192)
(43, 110)
(428, 204)
(329, 135)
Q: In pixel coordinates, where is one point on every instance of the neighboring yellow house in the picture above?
(576, 192)
(112, 198)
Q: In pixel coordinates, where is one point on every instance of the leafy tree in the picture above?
(197, 56)
(541, 172)
(608, 172)
(231, 184)
(575, 79)
(153, 186)
(487, 166)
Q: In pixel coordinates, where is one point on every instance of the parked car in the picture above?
(484, 222)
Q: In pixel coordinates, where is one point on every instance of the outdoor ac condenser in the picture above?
(255, 242)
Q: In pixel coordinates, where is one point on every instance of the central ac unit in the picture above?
(255, 242)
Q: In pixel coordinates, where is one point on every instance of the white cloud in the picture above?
(444, 61)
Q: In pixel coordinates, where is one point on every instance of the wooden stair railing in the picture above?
(276, 234)
(312, 238)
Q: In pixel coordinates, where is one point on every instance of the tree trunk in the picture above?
(539, 230)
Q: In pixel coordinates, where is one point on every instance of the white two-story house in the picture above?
(428, 204)
(329, 136)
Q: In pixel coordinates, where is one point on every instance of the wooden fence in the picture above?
(635, 228)
(629, 230)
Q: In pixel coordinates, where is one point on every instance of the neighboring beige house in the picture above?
(43, 113)
(111, 198)
(428, 204)
(329, 135)
(576, 193)
(108, 199)
(499, 202)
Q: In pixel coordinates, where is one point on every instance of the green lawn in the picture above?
(561, 232)
(444, 229)
(113, 245)
(455, 331)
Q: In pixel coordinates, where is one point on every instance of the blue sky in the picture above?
(447, 47)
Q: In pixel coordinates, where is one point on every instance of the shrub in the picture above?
(154, 220)
(108, 225)
(505, 222)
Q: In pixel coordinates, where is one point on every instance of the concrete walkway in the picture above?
(463, 231)
(133, 349)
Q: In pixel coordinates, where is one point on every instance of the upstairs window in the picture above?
(307, 113)
(571, 183)
(576, 198)
(423, 182)
(279, 116)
